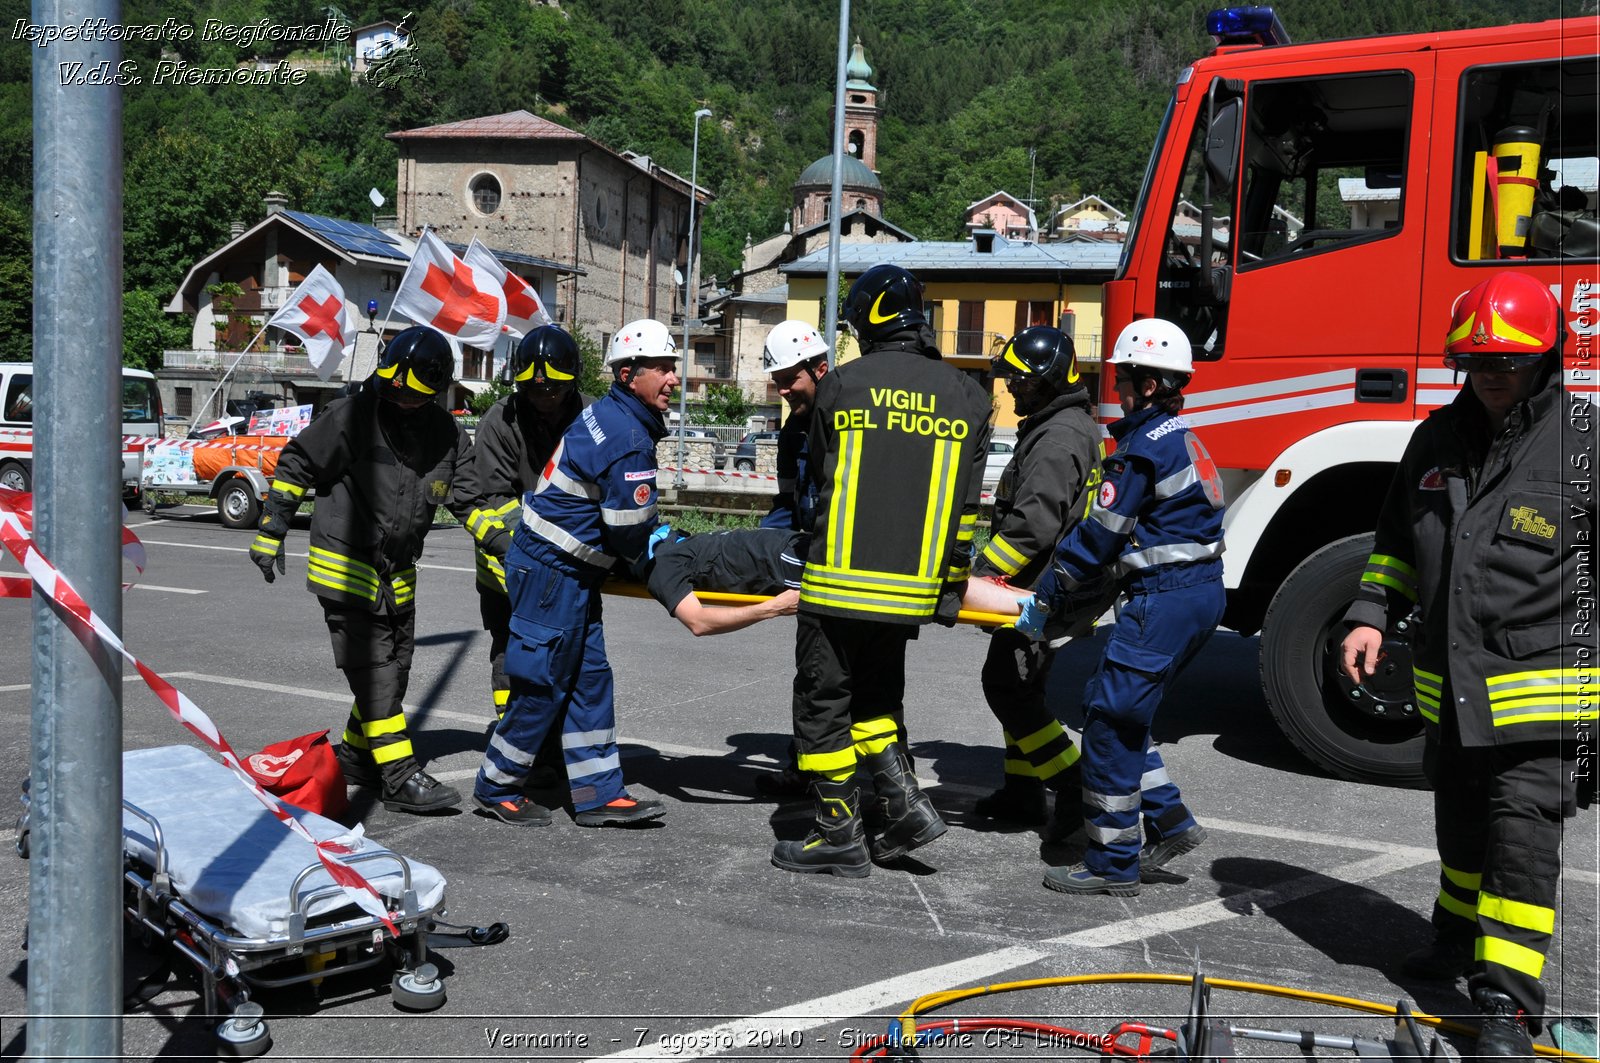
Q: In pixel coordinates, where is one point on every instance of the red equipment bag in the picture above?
(303, 772)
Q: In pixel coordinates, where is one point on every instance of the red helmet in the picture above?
(1505, 322)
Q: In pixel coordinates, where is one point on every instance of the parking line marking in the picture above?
(167, 590)
(287, 553)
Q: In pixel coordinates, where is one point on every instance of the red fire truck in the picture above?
(1309, 215)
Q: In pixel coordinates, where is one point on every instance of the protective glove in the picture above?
(1035, 614)
(662, 534)
(948, 609)
(266, 552)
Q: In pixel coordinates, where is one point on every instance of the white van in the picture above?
(141, 421)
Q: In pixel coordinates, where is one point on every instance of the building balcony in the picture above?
(289, 362)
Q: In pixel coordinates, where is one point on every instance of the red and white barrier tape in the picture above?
(17, 435)
(20, 505)
(721, 472)
(16, 523)
(201, 444)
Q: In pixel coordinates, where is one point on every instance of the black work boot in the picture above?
(1504, 1031)
(407, 788)
(905, 817)
(1443, 960)
(1019, 800)
(1066, 818)
(358, 766)
(837, 842)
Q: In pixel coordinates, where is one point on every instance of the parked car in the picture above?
(744, 455)
(1000, 451)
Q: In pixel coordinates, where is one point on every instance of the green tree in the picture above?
(724, 404)
(148, 330)
(16, 284)
(595, 380)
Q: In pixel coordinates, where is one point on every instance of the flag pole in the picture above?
(229, 371)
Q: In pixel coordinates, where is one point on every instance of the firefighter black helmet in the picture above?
(547, 357)
(419, 360)
(884, 301)
(1041, 352)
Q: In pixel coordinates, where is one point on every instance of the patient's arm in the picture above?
(702, 619)
(991, 596)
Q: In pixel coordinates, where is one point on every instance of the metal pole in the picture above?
(830, 298)
(691, 302)
(75, 873)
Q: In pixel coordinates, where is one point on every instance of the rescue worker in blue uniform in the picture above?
(593, 508)
(1484, 543)
(378, 463)
(795, 356)
(515, 438)
(1045, 489)
(898, 443)
(1157, 524)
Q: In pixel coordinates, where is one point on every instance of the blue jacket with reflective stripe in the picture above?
(1160, 504)
(595, 502)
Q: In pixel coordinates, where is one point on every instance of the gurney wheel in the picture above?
(244, 1034)
(419, 990)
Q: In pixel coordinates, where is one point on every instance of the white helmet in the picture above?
(644, 338)
(1153, 343)
(790, 343)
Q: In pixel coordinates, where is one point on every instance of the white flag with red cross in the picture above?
(317, 313)
(443, 292)
(524, 309)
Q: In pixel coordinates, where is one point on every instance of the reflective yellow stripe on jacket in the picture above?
(1391, 572)
(344, 574)
(1430, 688)
(1541, 696)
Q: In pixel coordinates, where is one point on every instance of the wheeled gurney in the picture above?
(212, 875)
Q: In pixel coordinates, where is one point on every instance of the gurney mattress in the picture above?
(230, 858)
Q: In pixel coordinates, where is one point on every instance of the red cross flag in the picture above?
(524, 309)
(446, 293)
(316, 312)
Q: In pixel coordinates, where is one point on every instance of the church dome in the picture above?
(856, 175)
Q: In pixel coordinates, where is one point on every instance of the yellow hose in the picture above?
(933, 1001)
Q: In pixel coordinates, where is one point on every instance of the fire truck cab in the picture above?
(1309, 215)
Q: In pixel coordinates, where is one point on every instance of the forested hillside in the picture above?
(967, 87)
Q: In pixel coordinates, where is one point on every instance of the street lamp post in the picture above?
(691, 306)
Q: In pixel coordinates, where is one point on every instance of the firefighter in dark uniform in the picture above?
(1156, 522)
(795, 356)
(514, 440)
(1044, 490)
(898, 444)
(378, 463)
(1484, 541)
(593, 507)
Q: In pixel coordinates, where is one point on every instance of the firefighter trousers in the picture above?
(1168, 618)
(849, 690)
(1014, 677)
(560, 677)
(494, 608)
(1497, 815)
(373, 650)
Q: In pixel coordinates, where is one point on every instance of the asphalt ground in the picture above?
(681, 941)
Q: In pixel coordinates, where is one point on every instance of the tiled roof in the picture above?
(514, 125)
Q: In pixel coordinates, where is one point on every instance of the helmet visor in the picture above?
(1491, 363)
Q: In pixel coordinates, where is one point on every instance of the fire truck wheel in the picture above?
(237, 504)
(1370, 733)
(15, 477)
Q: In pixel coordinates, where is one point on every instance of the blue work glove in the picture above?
(267, 553)
(662, 534)
(1035, 614)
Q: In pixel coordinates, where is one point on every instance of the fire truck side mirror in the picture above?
(1222, 143)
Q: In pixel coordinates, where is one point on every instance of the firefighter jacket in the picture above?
(794, 507)
(1489, 542)
(377, 473)
(1159, 507)
(1045, 490)
(595, 502)
(898, 447)
(512, 444)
